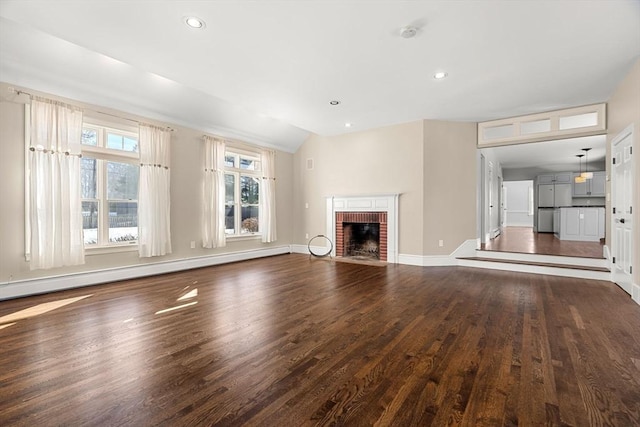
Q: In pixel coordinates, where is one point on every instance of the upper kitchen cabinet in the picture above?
(594, 187)
(558, 178)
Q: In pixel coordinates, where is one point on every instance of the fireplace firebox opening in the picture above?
(362, 235)
(362, 240)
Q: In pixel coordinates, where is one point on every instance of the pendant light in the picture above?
(586, 174)
(579, 179)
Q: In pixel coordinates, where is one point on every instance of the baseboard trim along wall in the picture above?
(304, 249)
(466, 249)
(43, 285)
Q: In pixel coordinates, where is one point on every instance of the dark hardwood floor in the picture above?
(524, 240)
(292, 340)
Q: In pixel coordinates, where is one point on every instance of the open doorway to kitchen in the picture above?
(533, 227)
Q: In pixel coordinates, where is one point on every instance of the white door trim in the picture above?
(621, 273)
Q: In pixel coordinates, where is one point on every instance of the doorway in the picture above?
(527, 162)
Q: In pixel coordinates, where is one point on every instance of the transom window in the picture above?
(242, 193)
(109, 178)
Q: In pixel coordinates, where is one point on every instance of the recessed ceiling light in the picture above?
(347, 125)
(194, 22)
(440, 75)
(334, 102)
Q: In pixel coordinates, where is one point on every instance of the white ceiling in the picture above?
(559, 155)
(265, 71)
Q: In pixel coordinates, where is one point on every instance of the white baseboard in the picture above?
(304, 249)
(467, 248)
(536, 269)
(68, 281)
(635, 293)
(411, 259)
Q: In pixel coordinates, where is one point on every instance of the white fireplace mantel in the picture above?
(367, 203)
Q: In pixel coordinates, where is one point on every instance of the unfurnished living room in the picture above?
(350, 213)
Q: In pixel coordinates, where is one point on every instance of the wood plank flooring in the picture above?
(298, 341)
(524, 240)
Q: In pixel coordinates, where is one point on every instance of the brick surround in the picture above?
(362, 217)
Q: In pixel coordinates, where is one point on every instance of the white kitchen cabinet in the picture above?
(563, 178)
(583, 224)
(557, 178)
(599, 184)
(594, 187)
(546, 179)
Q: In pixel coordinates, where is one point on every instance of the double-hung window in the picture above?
(109, 178)
(242, 192)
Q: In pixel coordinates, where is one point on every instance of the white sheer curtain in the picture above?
(154, 219)
(268, 197)
(213, 206)
(54, 185)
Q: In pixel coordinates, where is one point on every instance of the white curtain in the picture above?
(54, 185)
(268, 197)
(213, 194)
(154, 219)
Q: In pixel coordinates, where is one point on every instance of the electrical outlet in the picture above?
(193, 244)
(306, 205)
(441, 243)
(306, 236)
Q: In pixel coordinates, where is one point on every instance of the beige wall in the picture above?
(624, 110)
(185, 199)
(380, 161)
(432, 164)
(449, 185)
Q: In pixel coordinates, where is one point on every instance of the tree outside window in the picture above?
(242, 194)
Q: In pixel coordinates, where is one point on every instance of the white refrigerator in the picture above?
(551, 196)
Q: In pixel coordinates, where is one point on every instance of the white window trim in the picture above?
(102, 155)
(238, 152)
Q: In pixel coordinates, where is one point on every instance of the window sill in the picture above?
(110, 249)
(253, 236)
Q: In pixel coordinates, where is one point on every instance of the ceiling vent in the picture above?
(408, 31)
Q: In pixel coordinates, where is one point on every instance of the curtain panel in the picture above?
(154, 210)
(268, 197)
(213, 194)
(55, 216)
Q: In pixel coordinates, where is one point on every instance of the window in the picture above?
(109, 180)
(242, 193)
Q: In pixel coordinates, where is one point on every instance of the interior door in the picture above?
(493, 207)
(484, 214)
(622, 224)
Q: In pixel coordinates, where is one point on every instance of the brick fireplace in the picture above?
(361, 234)
(372, 221)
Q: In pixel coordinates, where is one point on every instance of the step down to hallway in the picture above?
(586, 268)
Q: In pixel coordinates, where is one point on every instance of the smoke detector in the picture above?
(408, 31)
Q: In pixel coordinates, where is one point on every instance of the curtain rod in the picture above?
(31, 96)
(241, 144)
